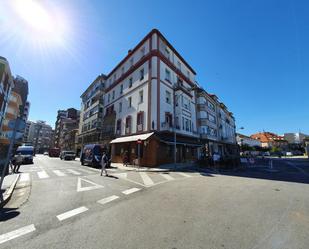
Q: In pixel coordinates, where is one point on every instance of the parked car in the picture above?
(289, 153)
(91, 155)
(45, 153)
(67, 155)
(27, 152)
(266, 153)
(54, 152)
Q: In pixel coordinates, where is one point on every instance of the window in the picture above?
(179, 65)
(167, 53)
(130, 102)
(120, 107)
(108, 98)
(122, 70)
(113, 96)
(187, 124)
(131, 62)
(121, 88)
(211, 118)
(130, 82)
(118, 128)
(167, 75)
(210, 105)
(128, 125)
(168, 97)
(140, 121)
(188, 74)
(115, 77)
(143, 52)
(141, 97)
(141, 74)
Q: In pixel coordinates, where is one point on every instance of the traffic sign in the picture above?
(139, 141)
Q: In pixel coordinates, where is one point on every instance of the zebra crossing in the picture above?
(148, 179)
(142, 178)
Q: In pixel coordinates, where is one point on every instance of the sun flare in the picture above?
(41, 21)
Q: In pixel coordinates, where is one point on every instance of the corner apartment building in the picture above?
(6, 85)
(63, 122)
(216, 125)
(91, 116)
(141, 93)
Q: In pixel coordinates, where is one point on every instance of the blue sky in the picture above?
(253, 54)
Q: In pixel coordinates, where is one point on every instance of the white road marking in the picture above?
(82, 189)
(24, 177)
(167, 177)
(121, 175)
(74, 172)
(146, 179)
(59, 173)
(42, 174)
(16, 233)
(86, 171)
(71, 213)
(130, 191)
(108, 199)
(183, 174)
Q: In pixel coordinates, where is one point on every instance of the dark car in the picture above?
(91, 155)
(67, 155)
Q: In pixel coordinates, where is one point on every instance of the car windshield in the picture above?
(68, 152)
(25, 152)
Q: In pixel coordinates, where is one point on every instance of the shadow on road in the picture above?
(288, 170)
(8, 213)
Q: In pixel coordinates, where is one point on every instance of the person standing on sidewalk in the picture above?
(18, 161)
(104, 161)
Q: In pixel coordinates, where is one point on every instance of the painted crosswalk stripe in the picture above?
(24, 177)
(16, 233)
(71, 213)
(42, 174)
(130, 191)
(146, 179)
(183, 174)
(74, 172)
(86, 171)
(59, 173)
(108, 199)
(167, 176)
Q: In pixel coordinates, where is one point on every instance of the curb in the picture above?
(8, 193)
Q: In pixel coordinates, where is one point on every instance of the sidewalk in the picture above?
(161, 168)
(8, 186)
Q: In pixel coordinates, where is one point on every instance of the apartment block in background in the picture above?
(64, 120)
(91, 117)
(216, 125)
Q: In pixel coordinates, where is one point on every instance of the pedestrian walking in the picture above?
(104, 162)
(18, 161)
(125, 159)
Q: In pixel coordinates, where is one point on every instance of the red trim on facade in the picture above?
(154, 53)
(149, 35)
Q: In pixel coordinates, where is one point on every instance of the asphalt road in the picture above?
(61, 204)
